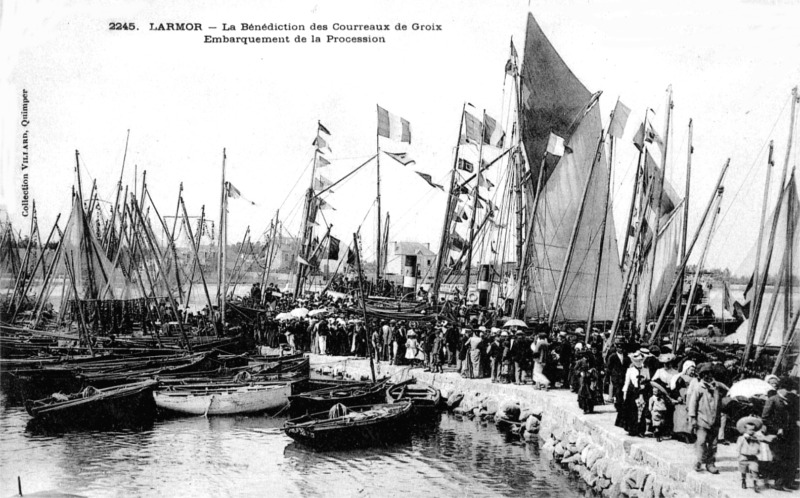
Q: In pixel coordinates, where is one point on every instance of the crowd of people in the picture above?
(655, 391)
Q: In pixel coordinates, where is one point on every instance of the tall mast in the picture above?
(437, 279)
(378, 217)
(476, 192)
(522, 266)
(268, 255)
(592, 305)
(759, 289)
(364, 305)
(223, 241)
(697, 272)
(716, 195)
(568, 258)
(679, 293)
(661, 180)
(751, 331)
(385, 254)
(305, 241)
(788, 289)
(194, 252)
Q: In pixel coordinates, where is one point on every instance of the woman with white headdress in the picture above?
(679, 387)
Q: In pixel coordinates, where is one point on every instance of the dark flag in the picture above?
(465, 166)
(351, 257)
(429, 179)
(333, 248)
(323, 129)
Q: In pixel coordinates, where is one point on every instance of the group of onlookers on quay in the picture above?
(656, 392)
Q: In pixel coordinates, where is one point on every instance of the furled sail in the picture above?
(555, 101)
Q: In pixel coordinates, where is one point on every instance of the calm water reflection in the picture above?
(250, 456)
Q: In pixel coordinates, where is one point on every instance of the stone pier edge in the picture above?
(667, 474)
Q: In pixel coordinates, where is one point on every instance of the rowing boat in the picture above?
(356, 426)
(424, 397)
(126, 405)
(223, 398)
(357, 394)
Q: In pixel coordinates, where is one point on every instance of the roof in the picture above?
(412, 248)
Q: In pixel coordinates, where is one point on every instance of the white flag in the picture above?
(555, 145)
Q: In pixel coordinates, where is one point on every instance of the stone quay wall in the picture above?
(603, 455)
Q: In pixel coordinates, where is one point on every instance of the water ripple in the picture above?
(250, 456)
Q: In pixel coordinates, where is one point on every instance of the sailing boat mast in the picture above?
(378, 216)
(308, 209)
(223, 241)
(599, 266)
(437, 280)
(476, 193)
(762, 283)
(661, 180)
(679, 293)
(568, 258)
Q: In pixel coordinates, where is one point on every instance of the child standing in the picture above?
(658, 411)
(748, 447)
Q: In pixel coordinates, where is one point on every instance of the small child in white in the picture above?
(658, 412)
(748, 447)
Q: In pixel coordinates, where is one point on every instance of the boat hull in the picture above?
(123, 406)
(234, 400)
(425, 398)
(324, 399)
(322, 434)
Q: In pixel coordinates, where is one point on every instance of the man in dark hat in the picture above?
(704, 414)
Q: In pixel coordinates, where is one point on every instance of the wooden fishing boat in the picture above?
(424, 397)
(352, 427)
(126, 405)
(221, 398)
(356, 394)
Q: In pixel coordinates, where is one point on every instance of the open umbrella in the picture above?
(318, 312)
(515, 323)
(284, 316)
(749, 387)
(299, 312)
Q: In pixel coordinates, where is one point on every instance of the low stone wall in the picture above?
(606, 459)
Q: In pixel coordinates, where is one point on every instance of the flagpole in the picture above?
(378, 216)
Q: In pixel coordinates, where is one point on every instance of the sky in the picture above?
(731, 65)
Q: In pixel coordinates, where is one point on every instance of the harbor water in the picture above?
(250, 456)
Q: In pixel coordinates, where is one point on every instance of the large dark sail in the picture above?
(552, 97)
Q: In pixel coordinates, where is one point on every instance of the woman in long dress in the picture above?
(541, 354)
(587, 383)
(679, 388)
(636, 392)
(474, 344)
(663, 377)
